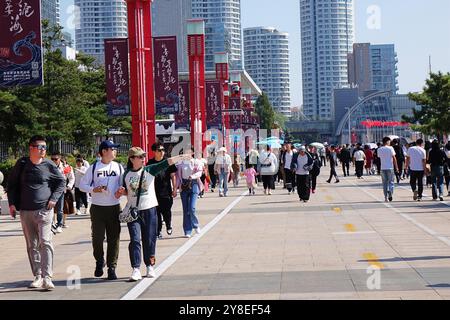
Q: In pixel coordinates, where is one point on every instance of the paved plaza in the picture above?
(346, 243)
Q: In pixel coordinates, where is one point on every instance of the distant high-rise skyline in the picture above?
(100, 20)
(327, 36)
(222, 30)
(373, 67)
(266, 57)
(50, 11)
(169, 19)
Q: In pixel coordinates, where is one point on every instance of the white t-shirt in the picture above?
(416, 156)
(268, 159)
(109, 175)
(288, 159)
(148, 195)
(359, 155)
(301, 162)
(385, 154)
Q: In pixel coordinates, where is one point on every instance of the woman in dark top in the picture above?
(400, 157)
(437, 158)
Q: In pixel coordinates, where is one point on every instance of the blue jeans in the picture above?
(387, 176)
(189, 200)
(223, 182)
(145, 228)
(437, 179)
(60, 211)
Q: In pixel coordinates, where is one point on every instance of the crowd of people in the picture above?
(45, 190)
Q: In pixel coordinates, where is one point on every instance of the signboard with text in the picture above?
(214, 104)
(117, 79)
(20, 43)
(166, 75)
(182, 118)
(235, 119)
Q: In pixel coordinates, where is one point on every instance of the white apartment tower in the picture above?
(99, 20)
(327, 36)
(266, 57)
(222, 29)
(169, 19)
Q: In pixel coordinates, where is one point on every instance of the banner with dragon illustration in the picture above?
(20, 43)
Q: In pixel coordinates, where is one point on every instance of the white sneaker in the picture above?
(151, 272)
(59, 230)
(78, 212)
(270, 193)
(48, 284)
(37, 283)
(198, 230)
(187, 235)
(135, 275)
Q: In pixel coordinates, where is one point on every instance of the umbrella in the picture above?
(372, 145)
(297, 145)
(317, 145)
(277, 139)
(272, 144)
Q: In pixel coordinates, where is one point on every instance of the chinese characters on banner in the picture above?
(182, 118)
(247, 120)
(166, 75)
(213, 105)
(20, 43)
(117, 80)
(235, 119)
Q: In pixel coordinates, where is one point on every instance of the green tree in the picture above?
(434, 116)
(265, 112)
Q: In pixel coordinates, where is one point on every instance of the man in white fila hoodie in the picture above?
(102, 180)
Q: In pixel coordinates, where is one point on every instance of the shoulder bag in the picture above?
(132, 213)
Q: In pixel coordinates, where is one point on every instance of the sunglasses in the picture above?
(140, 157)
(55, 159)
(160, 150)
(39, 146)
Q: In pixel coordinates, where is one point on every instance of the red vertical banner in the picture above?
(182, 118)
(235, 115)
(166, 75)
(117, 77)
(20, 43)
(214, 104)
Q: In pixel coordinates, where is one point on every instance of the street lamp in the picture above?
(196, 53)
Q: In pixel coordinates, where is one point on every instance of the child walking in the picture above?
(250, 174)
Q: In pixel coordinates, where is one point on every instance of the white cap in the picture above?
(223, 149)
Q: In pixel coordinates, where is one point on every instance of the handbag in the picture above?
(132, 213)
(186, 185)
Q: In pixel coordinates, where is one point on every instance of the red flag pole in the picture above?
(141, 74)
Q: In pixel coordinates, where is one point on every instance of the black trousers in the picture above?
(303, 186)
(359, 167)
(80, 198)
(164, 211)
(346, 165)
(313, 181)
(400, 171)
(289, 179)
(417, 179)
(268, 182)
(212, 175)
(333, 173)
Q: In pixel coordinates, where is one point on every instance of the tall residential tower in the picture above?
(266, 56)
(100, 20)
(222, 28)
(327, 36)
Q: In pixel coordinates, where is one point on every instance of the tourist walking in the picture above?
(35, 185)
(165, 188)
(223, 168)
(369, 158)
(333, 163)
(302, 164)
(289, 175)
(416, 162)
(437, 159)
(345, 158)
(139, 185)
(388, 163)
(269, 167)
(400, 157)
(358, 160)
(250, 177)
(189, 172)
(102, 181)
(80, 196)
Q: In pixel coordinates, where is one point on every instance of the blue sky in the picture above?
(418, 28)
